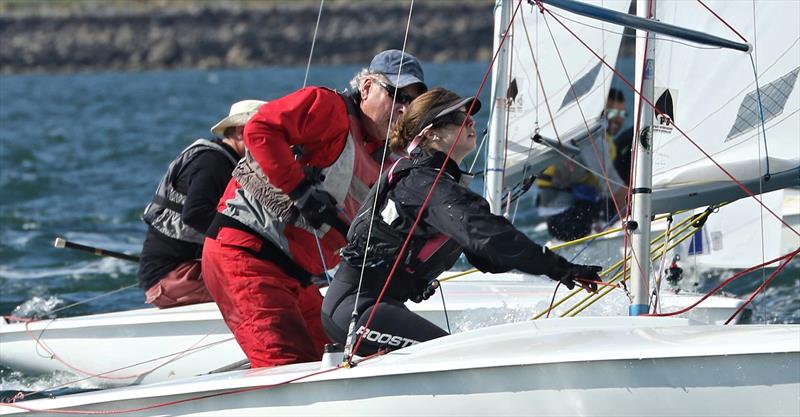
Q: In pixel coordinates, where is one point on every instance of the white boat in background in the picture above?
(591, 366)
(621, 366)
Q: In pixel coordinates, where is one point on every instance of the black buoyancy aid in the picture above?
(164, 211)
(428, 254)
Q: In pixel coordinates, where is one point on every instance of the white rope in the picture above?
(313, 42)
(351, 330)
(754, 63)
(103, 295)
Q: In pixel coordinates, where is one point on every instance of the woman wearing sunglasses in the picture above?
(456, 220)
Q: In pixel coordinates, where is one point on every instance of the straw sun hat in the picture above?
(240, 113)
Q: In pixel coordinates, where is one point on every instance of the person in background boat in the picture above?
(182, 208)
(456, 220)
(571, 198)
(311, 159)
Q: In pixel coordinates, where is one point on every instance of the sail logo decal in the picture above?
(664, 117)
(581, 86)
(773, 100)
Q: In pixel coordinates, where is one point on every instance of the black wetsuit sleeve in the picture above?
(206, 178)
(491, 243)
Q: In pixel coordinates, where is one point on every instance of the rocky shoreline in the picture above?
(124, 35)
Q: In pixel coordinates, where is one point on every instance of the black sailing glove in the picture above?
(317, 206)
(428, 290)
(569, 273)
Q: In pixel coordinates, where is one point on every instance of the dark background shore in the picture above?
(64, 36)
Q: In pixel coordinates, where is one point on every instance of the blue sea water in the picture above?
(80, 156)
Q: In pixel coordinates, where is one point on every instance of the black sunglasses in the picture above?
(396, 94)
(455, 118)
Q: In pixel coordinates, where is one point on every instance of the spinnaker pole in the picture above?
(642, 185)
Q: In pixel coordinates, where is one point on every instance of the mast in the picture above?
(497, 139)
(643, 170)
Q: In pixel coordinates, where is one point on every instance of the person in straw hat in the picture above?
(182, 209)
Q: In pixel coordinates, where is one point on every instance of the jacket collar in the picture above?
(435, 159)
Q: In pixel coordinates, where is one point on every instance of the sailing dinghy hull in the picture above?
(623, 366)
(192, 340)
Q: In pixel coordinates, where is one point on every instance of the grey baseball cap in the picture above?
(388, 63)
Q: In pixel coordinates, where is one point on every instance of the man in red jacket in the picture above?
(311, 159)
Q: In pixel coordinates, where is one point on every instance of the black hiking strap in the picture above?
(269, 251)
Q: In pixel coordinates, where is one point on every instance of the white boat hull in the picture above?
(580, 366)
(151, 345)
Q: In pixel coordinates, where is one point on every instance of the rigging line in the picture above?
(617, 265)
(322, 257)
(430, 192)
(348, 353)
(578, 163)
(170, 403)
(763, 285)
(101, 375)
(97, 297)
(655, 295)
(535, 130)
(660, 112)
(313, 42)
(723, 21)
(480, 146)
(444, 309)
(552, 300)
(541, 84)
(722, 285)
(626, 239)
(754, 63)
(90, 375)
(600, 159)
(653, 256)
(305, 81)
(738, 93)
(508, 112)
(670, 40)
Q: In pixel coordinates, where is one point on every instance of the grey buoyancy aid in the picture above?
(163, 213)
(266, 210)
(429, 253)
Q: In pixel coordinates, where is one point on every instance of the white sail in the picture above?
(740, 235)
(590, 79)
(711, 95)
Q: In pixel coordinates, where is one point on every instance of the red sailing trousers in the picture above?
(275, 320)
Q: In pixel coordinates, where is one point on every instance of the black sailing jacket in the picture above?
(490, 242)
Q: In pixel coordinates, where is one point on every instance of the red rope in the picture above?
(600, 158)
(168, 403)
(723, 21)
(762, 286)
(172, 357)
(725, 283)
(186, 400)
(430, 192)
